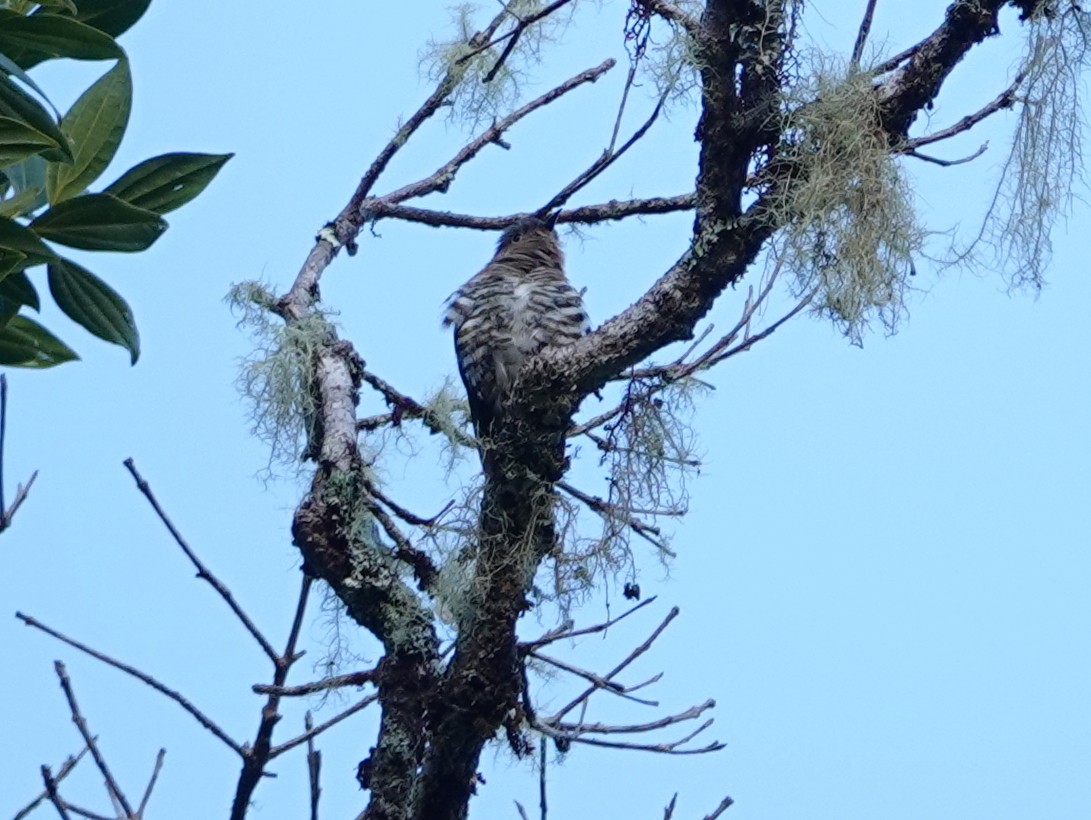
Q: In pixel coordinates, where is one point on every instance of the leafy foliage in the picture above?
(48, 162)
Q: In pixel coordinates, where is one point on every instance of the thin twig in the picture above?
(615, 512)
(638, 728)
(606, 685)
(314, 766)
(259, 753)
(947, 163)
(440, 180)
(554, 635)
(151, 782)
(636, 653)
(420, 116)
(66, 767)
(1005, 99)
(288, 745)
(136, 673)
(203, 572)
(608, 158)
(543, 804)
(668, 812)
(523, 24)
(51, 793)
(77, 717)
(725, 804)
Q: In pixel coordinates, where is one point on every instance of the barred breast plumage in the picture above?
(520, 303)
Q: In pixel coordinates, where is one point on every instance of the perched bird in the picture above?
(520, 303)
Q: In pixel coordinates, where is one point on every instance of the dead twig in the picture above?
(203, 571)
(314, 766)
(288, 745)
(112, 787)
(151, 782)
(143, 677)
(66, 767)
(333, 682)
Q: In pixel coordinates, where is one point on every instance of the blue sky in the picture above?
(883, 577)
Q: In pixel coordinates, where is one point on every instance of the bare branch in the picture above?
(314, 767)
(111, 784)
(151, 782)
(636, 653)
(584, 214)
(668, 811)
(637, 728)
(441, 178)
(615, 512)
(203, 571)
(1005, 99)
(419, 117)
(947, 163)
(862, 34)
(725, 804)
(606, 685)
(512, 35)
(66, 767)
(51, 793)
(258, 755)
(141, 676)
(333, 682)
(8, 513)
(562, 634)
(608, 158)
(276, 751)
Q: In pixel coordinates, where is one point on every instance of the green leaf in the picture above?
(8, 310)
(65, 5)
(169, 181)
(88, 300)
(17, 105)
(100, 222)
(19, 141)
(19, 239)
(18, 288)
(25, 343)
(9, 65)
(30, 40)
(94, 126)
(27, 176)
(22, 203)
(111, 16)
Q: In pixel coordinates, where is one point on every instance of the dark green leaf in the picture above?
(64, 5)
(8, 309)
(88, 300)
(100, 222)
(16, 104)
(19, 141)
(18, 288)
(10, 66)
(16, 238)
(22, 203)
(94, 126)
(27, 176)
(29, 40)
(112, 16)
(169, 181)
(25, 343)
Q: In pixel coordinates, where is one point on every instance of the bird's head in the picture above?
(530, 229)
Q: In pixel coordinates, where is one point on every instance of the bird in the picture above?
(517, 305)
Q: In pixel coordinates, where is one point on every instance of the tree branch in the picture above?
(197, 714)
(203, 571)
